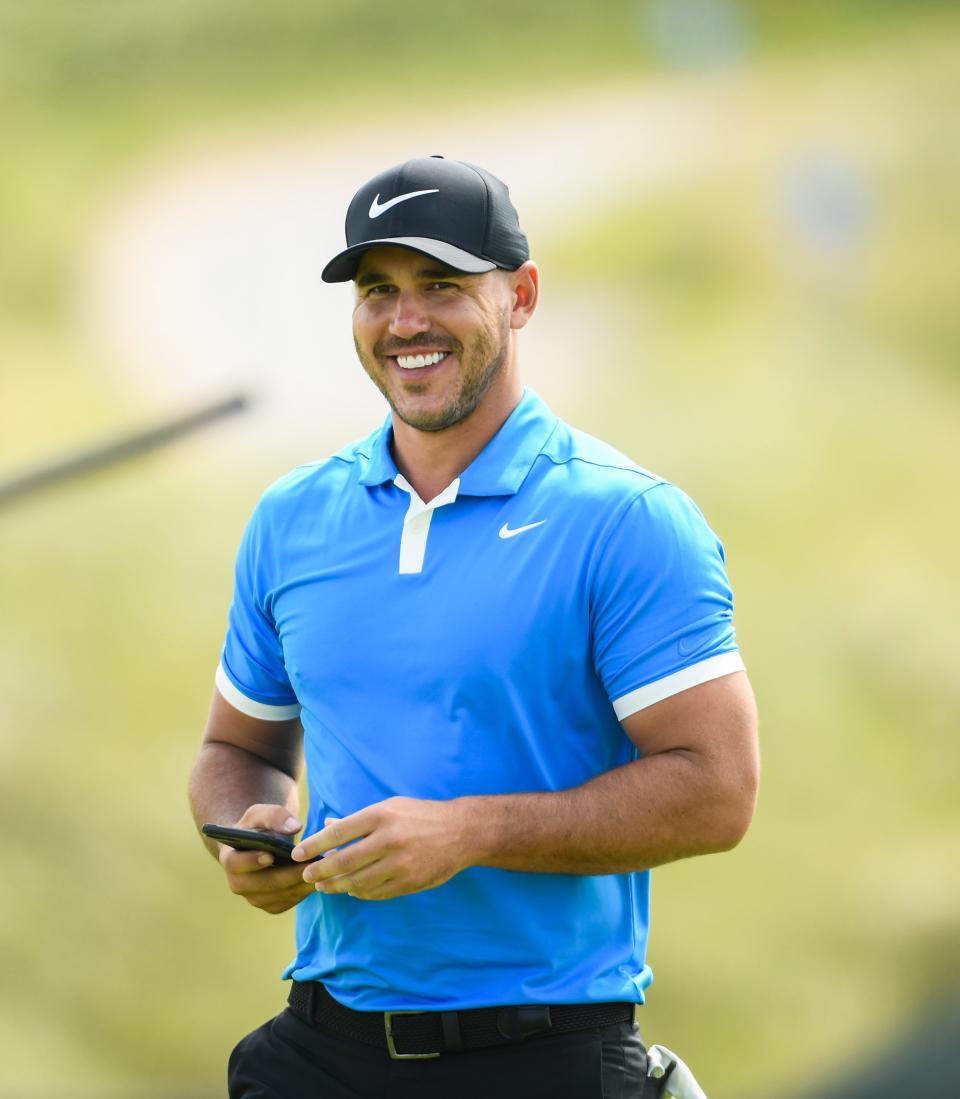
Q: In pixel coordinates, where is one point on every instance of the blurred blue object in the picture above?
(696, 33)
(827, 202)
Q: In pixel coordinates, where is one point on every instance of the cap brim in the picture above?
(343, 267)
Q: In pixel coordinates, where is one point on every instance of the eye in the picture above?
(442, 285)
(379, 290)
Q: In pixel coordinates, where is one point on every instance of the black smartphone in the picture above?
(246, 839)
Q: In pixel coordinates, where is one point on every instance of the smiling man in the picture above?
(405, 362)
(506, 654)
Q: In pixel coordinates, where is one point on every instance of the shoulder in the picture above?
(617, 499)
(319, 481)
(594, 470)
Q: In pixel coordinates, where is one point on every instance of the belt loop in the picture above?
(313, 988)
(452, 1038)
(517, 1023)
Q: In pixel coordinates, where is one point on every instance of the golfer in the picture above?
(506, 655)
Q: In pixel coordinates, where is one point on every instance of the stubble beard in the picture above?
(480, 367)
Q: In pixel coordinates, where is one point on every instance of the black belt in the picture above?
(421, 1034)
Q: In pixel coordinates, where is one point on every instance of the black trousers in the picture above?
(288, 1058)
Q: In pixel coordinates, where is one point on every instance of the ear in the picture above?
(525, 289)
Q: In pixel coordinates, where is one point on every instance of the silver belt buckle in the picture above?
(392, 1049)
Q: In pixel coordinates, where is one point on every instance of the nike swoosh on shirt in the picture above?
(377, 207)
(506, 532)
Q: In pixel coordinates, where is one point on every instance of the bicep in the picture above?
(661, 604)
(279, 743)
(715, 722)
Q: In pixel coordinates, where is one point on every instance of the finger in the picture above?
(312, 847)
(281, 880)
(349, 874)
(277, 902)
(237, 861)
(347, 860)
(244, 887)
(243, 862)
(278, 905)
(266, 877)
(252, 885)
(371, 884)
(270, 818)
(335, 833)
(388, 889)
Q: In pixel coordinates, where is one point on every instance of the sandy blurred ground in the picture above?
(204, 278)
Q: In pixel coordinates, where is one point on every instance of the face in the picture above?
(434, 341)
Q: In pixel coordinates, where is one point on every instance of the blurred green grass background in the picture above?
(790, 361)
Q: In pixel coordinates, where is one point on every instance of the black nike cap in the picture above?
(453, 211)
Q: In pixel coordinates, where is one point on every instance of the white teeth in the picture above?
(414, 362)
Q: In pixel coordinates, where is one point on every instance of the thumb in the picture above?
(270, 818)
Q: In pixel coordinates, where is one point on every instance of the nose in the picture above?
(409, 315)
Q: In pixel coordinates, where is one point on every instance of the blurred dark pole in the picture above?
(119, 450)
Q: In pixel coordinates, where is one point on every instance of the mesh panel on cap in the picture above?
(505, 241)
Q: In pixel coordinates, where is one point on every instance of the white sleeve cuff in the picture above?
(712, 668)
(239, 701)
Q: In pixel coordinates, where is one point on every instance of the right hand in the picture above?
(252, 875)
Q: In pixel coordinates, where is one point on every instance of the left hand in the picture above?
(398, 846)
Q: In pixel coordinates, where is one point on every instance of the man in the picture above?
(508, 656)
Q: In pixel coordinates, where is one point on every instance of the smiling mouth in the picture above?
(418, 362)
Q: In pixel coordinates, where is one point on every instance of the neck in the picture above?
(431, 460)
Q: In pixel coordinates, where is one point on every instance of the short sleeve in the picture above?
(661, 604)
(251, 675)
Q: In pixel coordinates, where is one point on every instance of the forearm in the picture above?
(652, 811)
(691, 792)
(227, 780)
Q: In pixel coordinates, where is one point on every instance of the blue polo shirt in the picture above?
(488, 641)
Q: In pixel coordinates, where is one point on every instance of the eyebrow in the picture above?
(372, 277)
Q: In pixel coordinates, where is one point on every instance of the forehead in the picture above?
(401, 261)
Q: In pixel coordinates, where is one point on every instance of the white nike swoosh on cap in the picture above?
(505, 531)
(377, 207)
